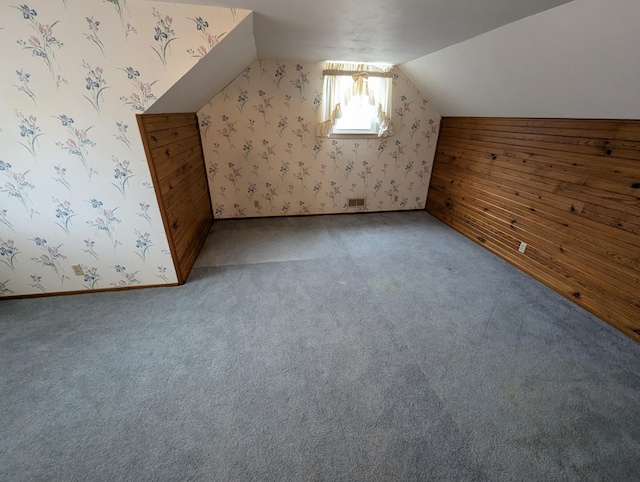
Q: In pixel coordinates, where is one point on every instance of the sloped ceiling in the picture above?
(580, 60)
(393, 31)
(212, 73)
(511, 58)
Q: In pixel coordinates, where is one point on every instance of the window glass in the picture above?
(358, 116)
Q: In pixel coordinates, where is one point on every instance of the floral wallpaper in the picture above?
(264, 159)
(75, 188)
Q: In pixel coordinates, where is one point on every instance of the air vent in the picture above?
(356, 202)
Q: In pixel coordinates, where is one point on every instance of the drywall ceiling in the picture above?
(393, 31)
(579, 60)
(212, 73)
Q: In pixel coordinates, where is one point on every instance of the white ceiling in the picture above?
(393, 31)
(511, 58)
(580, 60)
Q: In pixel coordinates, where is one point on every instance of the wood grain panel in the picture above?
(569, 188)
(174, 152)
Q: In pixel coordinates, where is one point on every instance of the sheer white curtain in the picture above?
(343, 81)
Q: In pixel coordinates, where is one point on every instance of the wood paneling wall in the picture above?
(174, 152)
(570, 189)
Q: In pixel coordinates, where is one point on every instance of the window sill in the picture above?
(353, 136)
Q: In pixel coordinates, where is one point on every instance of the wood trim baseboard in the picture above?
(87, 292)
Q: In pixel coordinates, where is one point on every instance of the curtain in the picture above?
(335, 94)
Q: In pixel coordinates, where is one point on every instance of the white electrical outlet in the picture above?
(77, 270)
(256, 204)
(523, 247)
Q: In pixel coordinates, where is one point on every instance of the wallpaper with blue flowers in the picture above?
(264, 159)
(75, 188)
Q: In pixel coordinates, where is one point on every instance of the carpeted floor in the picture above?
(338, 348)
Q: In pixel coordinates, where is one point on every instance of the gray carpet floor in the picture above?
(338, 348)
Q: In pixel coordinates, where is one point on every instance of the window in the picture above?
(357, 118)
(358, 112)
(356, 100)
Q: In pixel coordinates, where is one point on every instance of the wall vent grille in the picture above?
(356, 202)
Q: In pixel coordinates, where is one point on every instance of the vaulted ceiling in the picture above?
(393, 31)
(510, 58)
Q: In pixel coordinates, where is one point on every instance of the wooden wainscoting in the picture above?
(174, 152)
(568, 188)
